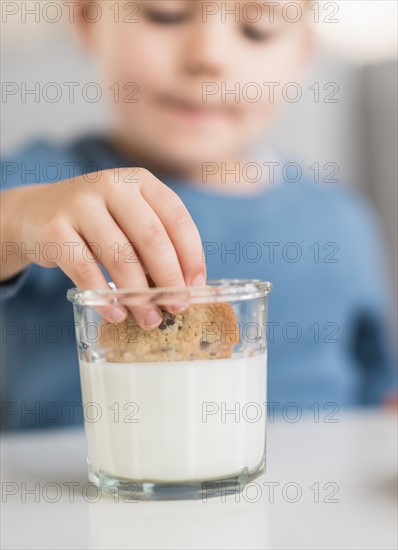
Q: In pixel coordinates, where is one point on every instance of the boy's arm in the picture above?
(13, 260)
(27, 168)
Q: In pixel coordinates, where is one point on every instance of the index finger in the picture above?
(180, 227)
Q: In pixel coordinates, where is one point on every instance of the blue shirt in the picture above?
(318, 244)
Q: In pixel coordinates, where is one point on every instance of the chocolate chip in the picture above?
(168, 321)
(204, 345)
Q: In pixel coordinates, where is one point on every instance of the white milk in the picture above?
(175, 421)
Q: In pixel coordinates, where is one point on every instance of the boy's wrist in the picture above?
(14, 257)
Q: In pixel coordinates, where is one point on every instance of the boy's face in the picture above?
(205, 72)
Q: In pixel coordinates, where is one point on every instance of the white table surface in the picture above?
(357, 456)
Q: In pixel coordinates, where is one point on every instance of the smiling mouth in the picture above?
(193, 110)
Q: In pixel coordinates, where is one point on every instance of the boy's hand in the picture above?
(164, 241)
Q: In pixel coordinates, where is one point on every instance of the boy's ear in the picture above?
(83, 26)
(310, 44)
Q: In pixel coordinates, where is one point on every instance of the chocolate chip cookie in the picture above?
(203, 331)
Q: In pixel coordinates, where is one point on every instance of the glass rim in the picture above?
(216, 290)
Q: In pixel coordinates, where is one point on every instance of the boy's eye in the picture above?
(167, 17)
(256, 34)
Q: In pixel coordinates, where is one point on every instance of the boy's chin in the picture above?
(197, 151)
(191, 159)
(177, 153)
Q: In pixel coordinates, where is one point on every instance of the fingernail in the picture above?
(199, 280)
(178, 308)
(117, 314)
(152, 319)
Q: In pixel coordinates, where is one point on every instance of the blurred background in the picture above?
(358, 133)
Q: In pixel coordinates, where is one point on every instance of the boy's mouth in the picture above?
(194, 111)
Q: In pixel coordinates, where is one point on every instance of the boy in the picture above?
(141, 191)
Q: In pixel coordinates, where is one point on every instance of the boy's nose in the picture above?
(206, 53)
